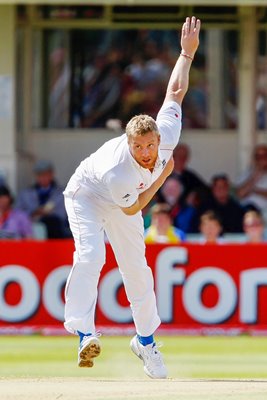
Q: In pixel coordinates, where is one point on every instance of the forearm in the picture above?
(145, 197)
(179, 80)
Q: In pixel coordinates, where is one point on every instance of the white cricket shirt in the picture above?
(114, 176)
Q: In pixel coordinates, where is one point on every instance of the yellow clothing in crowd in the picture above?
(173, 235)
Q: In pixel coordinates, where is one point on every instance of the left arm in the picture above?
(145, 197)
(178, 83)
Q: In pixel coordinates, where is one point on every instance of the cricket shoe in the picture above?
(150, 355)
(89, 348)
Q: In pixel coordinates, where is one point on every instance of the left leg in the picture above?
(125, 234)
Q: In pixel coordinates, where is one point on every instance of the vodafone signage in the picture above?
(199, 288)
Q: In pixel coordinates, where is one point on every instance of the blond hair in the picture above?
(141, 125)
(161, 208)
(210, 215)
(251, 216)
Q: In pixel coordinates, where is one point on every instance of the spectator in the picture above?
(129, 70)
(14, 224)
(161, 229)
(210, 228)
(59, 95)
(192, 183)
(44, 201)
(101, 103)
(223, 203)
(252, 186)
(181, 213)
(254, 226)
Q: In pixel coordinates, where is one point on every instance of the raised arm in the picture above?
(178, 83)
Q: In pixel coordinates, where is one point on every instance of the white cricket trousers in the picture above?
(89, 217)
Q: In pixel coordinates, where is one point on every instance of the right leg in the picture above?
(125, 234)
(85, 219)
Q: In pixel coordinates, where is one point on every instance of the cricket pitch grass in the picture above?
(200, 368)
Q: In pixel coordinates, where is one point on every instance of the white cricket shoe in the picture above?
(89, 348)
(150, 355)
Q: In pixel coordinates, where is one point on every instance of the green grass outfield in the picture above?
(189, 359)
(186, 357)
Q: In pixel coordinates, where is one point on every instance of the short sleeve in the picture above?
(122, 193)
(169, 121)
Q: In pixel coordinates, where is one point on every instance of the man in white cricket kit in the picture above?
(106, 195)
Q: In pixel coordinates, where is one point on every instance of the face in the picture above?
(161, 221)
(5, 203)
(45, 178)
(220, 190)
(261, 157)
(180, 155)
(144, 149)
(211, 229)
(171, 190)
(254, 229)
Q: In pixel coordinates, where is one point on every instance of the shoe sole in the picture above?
(87, 354)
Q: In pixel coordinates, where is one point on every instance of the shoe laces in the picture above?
(153, 354)
(96, 334)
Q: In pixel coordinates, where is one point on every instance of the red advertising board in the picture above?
(200, 289)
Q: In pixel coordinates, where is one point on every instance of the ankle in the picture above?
(81, 335)
(145, 340)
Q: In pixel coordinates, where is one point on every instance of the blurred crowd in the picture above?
(186, 208)
(38, 210)
(118, 74)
